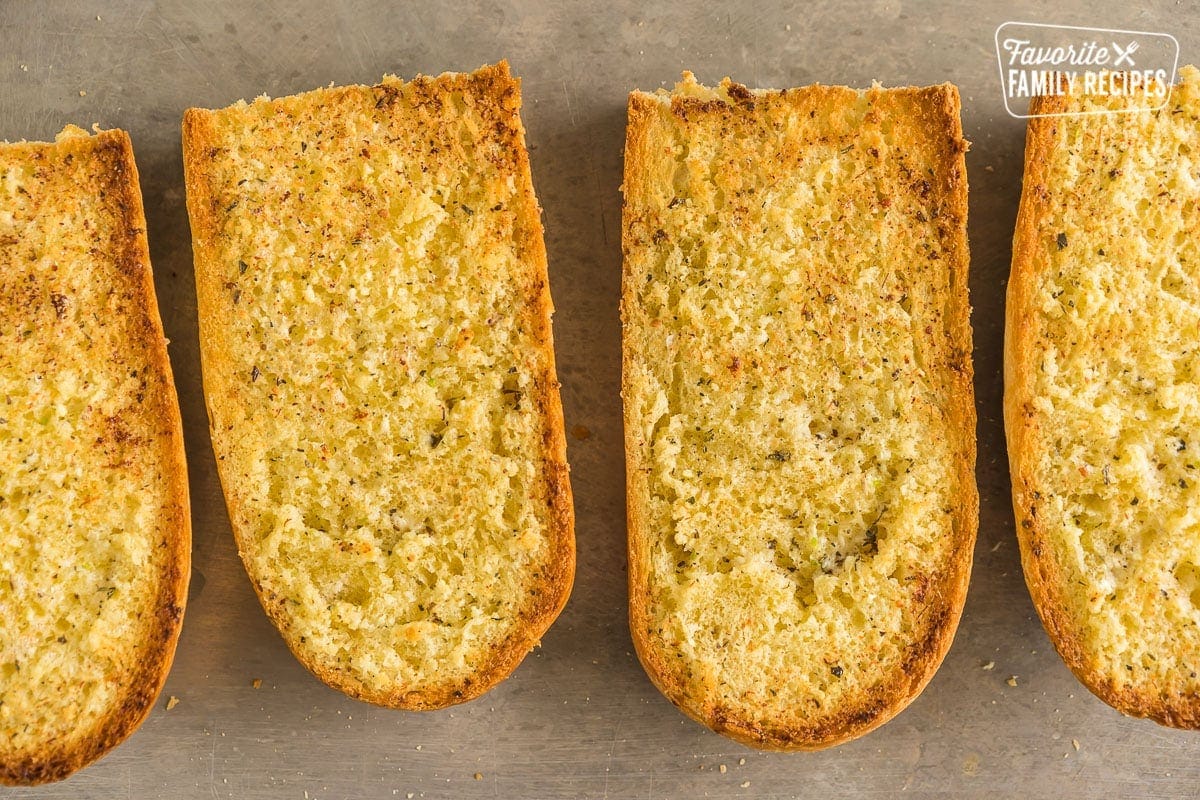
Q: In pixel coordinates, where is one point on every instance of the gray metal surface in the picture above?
(578, 718)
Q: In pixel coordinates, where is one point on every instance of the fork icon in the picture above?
(1124, 55)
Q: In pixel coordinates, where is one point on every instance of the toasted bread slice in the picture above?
(799, 422)
(1102, 400)
(379, 374)
(95, 537)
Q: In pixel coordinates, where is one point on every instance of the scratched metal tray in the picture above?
(578, 718)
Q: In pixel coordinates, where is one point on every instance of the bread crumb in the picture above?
(1012, 680)
(989, 168)
(172, 701)
(82, 93)
(478, 776)
(581, 432)
(722, 768)
(741, 761)
(1075, 744)
(989, 665)
(745, 784)
(24, 68)
(256, 683)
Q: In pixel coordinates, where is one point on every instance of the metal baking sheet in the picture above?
(579, 718)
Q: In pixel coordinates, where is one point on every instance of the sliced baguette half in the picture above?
(1102, 394)
(379, 375)
(799, 416)
(95, 536)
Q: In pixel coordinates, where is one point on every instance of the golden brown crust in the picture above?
(1044, 576)
(496, 84)
(121, 197)
(940, 111)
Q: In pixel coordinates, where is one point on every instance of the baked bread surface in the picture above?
(799, 416)
(1102, 394)
(95, 537)
(379, 374)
